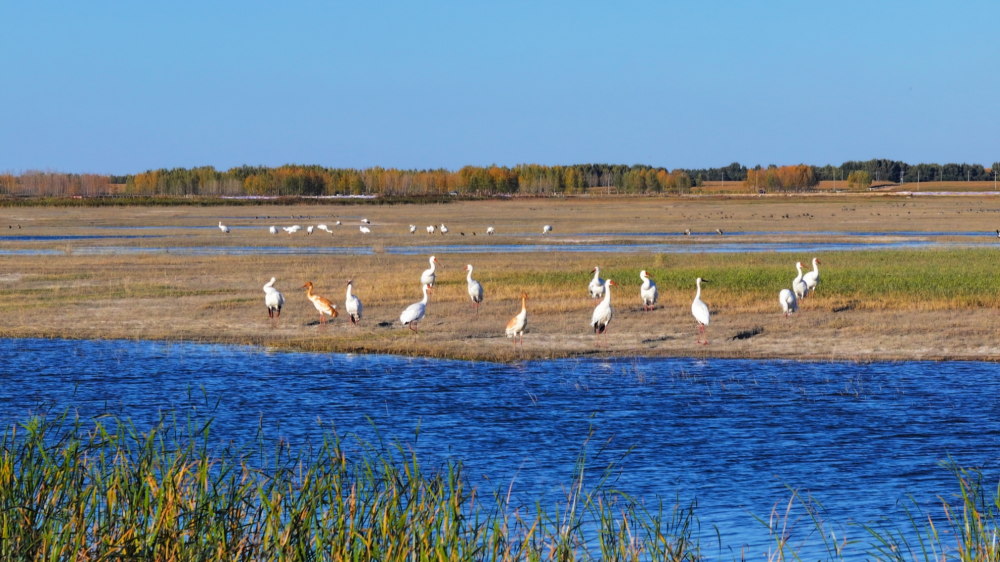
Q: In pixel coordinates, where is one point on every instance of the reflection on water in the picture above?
(730, 433)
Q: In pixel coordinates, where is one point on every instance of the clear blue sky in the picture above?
(124, 87)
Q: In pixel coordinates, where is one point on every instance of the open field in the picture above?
(878, 304)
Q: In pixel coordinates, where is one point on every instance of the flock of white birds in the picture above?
(802, 285)
(365, 228)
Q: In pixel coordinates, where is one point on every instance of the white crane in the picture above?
(324, 228)
(223, 228)
(517, 324)
(413, 228)
(338, 223)
(366, 221)
(309, 230)
(490, 231)
(365, 230)
(273, 230)
(273, 299)
(415, 312)
(596, 286)
(700, 311)
(811, 278)
(324, 306)
(602, 314)
(648, 291)
(789, 303)
(547, 229)
(444, 229)
(475, 289)
(353, 305)
(291, 229)
(431, 229)
(428, 276)
(799, 286)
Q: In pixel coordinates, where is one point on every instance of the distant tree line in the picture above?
(299, 180)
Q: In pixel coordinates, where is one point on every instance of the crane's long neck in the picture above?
(645, 281)
(597, 273)
(425, 295)
(269, 284)
(309, 292)
(698, 294)
(469, 276)
(799, 278)
(524, 305)
(433, 267)
(607, 292)
(348, 290)
(815, 267)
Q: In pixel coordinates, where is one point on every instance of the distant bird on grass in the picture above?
(648, 291)
(799, 287)
(546, 229)
(444, 229)
(475, 289)
(273, 300)
(602, 314)
(353, 305)
(429, 276)
(596, 286)
(789, 303)
(415, 312)
(338, 223)
(517, 324)
(291, 229)
(273, 230)
(490, 231)
(700, 311)
(413, 228)
(366, 221)
(365, 230)
(811, 278)
(431, 229)
(223, 228)
(324, 228)
(324, 306)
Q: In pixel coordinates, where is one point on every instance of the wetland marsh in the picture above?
(903, 278)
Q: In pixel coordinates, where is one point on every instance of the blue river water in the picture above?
(730, 434)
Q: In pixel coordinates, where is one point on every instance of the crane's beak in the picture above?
(705, 281)
(819, 262)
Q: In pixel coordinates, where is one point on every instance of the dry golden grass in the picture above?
(871, 305)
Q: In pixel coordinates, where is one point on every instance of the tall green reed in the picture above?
(106, 491)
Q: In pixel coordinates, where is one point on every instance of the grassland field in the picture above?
(871, 305)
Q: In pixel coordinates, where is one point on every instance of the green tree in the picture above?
(859, 179)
